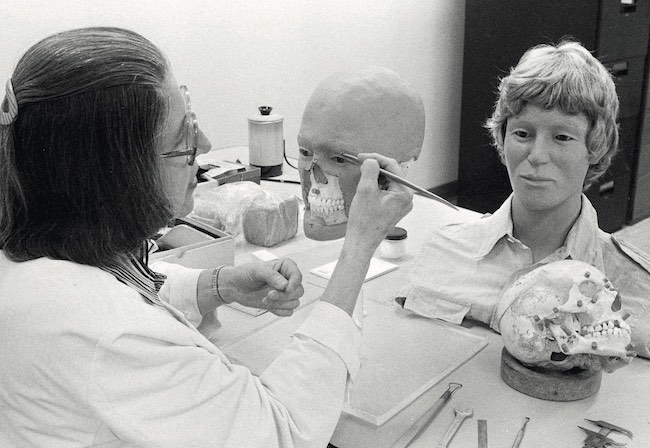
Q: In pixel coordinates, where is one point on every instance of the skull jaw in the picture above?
(543, 328)
(315, 228)
(534, 347)
(326, 207)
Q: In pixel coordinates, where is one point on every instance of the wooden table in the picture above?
(624, 397)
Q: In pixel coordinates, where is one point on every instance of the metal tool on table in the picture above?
(599, 439)
(520, 434)
(423, 422)
(482, 434)
(400, 180)
(459, 417)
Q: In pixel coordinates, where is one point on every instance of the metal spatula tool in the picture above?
(419, 426)
(400, 180)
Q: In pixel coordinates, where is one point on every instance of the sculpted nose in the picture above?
(319, 175)
(309, 166)
(538, 151)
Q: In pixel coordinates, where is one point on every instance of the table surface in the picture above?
(622, 400)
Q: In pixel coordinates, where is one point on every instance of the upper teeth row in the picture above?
(320, 202)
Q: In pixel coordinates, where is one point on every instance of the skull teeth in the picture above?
(325, 206)
(608, 328)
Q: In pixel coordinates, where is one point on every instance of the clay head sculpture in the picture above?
(564, 315)
(373, 110)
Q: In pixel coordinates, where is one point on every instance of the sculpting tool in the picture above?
(599, 439)
(520, 434)
(459, 417)
(482, 434)
(419, 426)
(400, 180)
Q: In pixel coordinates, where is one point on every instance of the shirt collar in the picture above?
(582, 241)
(495, 226)
(580, 244)
(135, 273)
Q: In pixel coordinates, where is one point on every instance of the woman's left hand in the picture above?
(273, 285)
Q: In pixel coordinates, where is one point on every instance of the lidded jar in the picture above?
(393, 245)
(266, 142)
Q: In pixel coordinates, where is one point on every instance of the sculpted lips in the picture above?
(534, 178)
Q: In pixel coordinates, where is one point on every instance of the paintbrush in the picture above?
(400, 180)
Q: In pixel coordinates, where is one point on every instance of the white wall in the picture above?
(239, 54)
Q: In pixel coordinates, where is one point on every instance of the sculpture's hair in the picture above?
(79, 174)
(567, 76)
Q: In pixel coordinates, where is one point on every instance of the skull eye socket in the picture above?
(305, 152)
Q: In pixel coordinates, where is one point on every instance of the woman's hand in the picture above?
(376, 210)
(273, 285)
(373, 212)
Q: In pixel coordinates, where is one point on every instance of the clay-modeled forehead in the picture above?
(373, 110)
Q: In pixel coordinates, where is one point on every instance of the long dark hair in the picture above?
(79, 172)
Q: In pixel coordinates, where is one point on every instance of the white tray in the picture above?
(403, 355)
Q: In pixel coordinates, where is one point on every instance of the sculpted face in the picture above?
(373, 110)
(563, 315)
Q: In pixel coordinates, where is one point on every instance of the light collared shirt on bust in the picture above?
(88, 361)
(462, 269)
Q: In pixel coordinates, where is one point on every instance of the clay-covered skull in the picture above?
(565, 315)
(371, 110)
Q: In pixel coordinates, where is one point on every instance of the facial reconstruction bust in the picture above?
(563, 315)
(373, 110)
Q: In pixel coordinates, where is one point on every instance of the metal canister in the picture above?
(266, 142)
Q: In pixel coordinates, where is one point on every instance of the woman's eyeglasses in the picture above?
(191, 133)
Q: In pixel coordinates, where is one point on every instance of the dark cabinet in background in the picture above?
(641, 179)
(497, 33)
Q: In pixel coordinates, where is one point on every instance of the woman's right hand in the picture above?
(273, 285)
(376, 210)
(373, 212)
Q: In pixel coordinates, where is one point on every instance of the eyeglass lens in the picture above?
(191, 135)
(191, 127)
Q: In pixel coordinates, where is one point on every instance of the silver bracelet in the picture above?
(215, 284)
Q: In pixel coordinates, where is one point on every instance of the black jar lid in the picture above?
(397, 233)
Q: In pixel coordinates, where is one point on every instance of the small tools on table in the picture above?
(599, 439)
(594, 439)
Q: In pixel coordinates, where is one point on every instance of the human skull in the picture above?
(565, 315)
(372, 110)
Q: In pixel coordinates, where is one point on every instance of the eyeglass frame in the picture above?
(190, 120)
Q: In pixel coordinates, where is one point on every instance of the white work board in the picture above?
(422, 353)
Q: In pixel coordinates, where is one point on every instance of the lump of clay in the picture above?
(265, 219)
(565, 315)
(270, 222)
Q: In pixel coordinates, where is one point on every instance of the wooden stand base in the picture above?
(549, 385)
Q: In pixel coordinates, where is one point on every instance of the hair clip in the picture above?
(9, 107)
